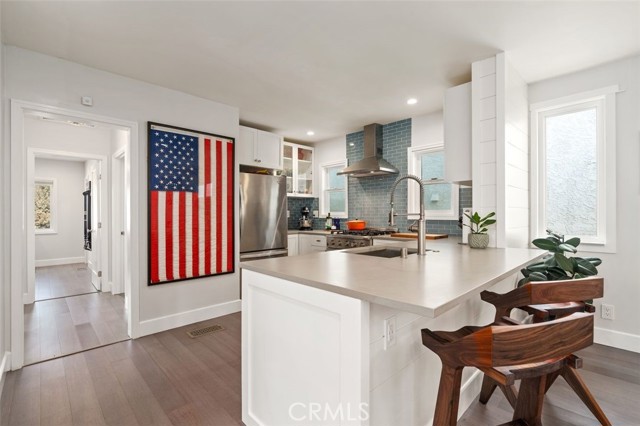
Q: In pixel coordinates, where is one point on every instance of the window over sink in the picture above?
(440, 197)
(333, 190)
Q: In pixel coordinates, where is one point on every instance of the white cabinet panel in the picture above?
(311, 243)
(292, 242)
(457, 134)
(259, 148)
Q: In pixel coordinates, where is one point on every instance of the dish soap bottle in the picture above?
(329, 222)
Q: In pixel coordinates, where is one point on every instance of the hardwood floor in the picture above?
(57, 327)
(171, 379)
(62, 281)
(163, 379)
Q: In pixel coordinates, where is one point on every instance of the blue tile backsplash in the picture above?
(369, 197)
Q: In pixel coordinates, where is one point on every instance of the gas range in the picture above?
(344, 239)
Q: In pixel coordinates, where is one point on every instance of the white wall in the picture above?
(43, 79)
(67, 242)
(4, 234)
(622, 281)
(328, 151)
(427, 129)
(516, 156)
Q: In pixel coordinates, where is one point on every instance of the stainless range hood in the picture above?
(372, 164)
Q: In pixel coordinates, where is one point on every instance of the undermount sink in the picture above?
(387, 252)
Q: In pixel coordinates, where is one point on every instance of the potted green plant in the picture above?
(478, 238)
(556, 265)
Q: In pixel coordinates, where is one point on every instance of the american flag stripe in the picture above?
(154, 237)
(219, 215)
(229, 198)
(184, 243)
(169, 234)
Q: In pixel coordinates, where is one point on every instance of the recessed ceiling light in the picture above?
(310, 133)
(412, 101)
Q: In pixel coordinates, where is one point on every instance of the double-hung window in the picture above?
(45, 206)
(334, 189)
(573, 168)
(440, 197)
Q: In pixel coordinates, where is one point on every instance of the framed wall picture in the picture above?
(191, 204)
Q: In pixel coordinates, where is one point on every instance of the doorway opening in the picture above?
(76, 293)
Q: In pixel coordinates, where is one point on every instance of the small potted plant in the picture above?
(478, 238)
(557, 265)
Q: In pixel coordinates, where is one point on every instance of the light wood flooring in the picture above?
(62, 281)
(57, 327)
(168, 378)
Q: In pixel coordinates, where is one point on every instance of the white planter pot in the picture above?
(478, 241)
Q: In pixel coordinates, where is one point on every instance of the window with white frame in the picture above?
(334, 189)
(573, 168)
(45, 206)
(440, 197)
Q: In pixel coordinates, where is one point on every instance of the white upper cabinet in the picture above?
(457, 134)
(298, 167)
(259, 148)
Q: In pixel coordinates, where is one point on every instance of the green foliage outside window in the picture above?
(42, 197)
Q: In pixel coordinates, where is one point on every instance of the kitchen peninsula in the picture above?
(334, 337)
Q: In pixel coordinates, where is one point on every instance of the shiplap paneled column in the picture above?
(500, 149)
(484, 163)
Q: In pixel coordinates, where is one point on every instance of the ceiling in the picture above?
(327, 66)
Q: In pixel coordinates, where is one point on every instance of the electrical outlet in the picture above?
(315, 213)
(607, 311)
(288, 214)
(389, 332)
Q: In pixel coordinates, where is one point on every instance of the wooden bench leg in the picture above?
(530, 400)
(580, 388)
(446, 413)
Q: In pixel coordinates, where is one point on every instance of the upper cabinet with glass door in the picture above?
(297, 162)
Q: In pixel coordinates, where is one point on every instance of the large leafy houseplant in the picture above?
(557, 265)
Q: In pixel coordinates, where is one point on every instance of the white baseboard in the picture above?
(61, 261)
(4, 367)
(168, 322)
(617, 339)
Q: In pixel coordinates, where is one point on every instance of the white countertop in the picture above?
(428, 285)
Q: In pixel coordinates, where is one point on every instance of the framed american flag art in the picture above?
(191, 204)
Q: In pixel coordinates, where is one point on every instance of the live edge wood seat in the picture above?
(507, 348)
(545, 301)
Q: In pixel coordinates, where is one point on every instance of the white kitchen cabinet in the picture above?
(259, 148)
(297, 162)
(309, 243)
(292, 242)
(457, 134)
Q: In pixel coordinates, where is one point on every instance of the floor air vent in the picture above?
(204, 330)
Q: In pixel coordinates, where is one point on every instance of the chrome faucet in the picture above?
(421, 220)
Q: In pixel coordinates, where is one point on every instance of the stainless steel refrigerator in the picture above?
(263, 216)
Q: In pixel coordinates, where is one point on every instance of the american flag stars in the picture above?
(174, 162)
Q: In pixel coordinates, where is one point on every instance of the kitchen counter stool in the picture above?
(546, 300)
(494, 348)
